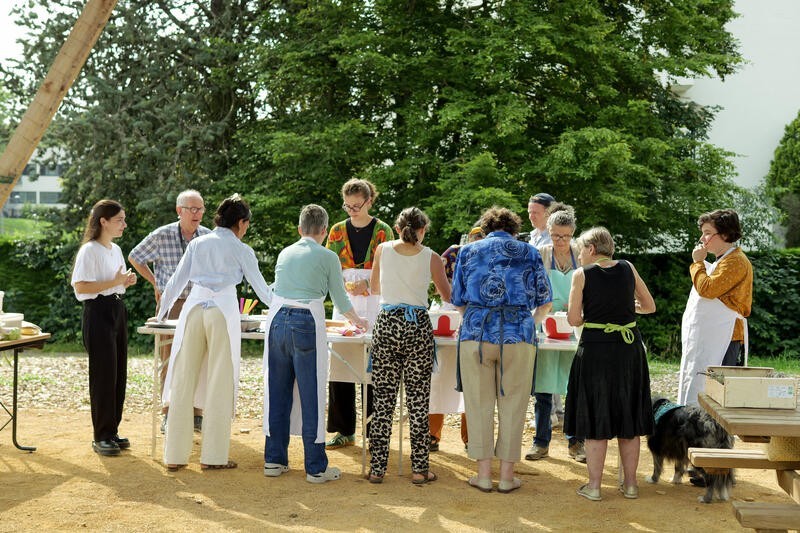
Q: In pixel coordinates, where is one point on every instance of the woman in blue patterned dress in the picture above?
(497, 282)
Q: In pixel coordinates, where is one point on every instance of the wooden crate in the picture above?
(750, 387)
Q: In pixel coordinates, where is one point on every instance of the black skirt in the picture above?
(608, 394)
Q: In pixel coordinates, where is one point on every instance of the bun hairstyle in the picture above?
(500, 219)
(411, 220)
(231, 211)
(362, 187)
(106, 209)
(725, 221)
(561, 215)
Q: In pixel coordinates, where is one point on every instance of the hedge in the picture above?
(34, 286)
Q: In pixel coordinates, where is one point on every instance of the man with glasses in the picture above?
(164, 248)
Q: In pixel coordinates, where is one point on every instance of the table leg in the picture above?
(400, 429)
(14, 409)
(363, 428)
(154, 399)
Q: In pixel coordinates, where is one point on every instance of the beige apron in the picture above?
(226, 301)
(706, 331)
(295, 417)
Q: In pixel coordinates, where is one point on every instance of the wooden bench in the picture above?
(720, 460)
(767, 517)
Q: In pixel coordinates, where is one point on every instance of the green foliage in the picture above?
(783, 180)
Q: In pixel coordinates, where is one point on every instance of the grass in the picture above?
(16, 228)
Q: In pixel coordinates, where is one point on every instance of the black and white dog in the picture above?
(678, 428)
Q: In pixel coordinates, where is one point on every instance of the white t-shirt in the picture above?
(95, 262)
(405, 278)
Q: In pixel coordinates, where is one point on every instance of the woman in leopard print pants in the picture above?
(402, 340)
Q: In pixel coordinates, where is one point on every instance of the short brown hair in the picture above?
(358, 186)
(725, 221)
(500, 219)
(600, 238)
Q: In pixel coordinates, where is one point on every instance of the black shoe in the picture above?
(198, 423)
(105, 447)
(434, 445)
(122, 442)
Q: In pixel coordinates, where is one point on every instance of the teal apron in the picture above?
(552, 366)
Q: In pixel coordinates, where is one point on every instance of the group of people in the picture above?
(502, 285)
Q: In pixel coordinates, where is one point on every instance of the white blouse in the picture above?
(95, 262)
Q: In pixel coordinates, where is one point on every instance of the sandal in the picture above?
(227, 466)
(631, 492)
(510, 485)
(427, 477)
(372, 478)
(340, 441)
(175, 468)
(483, 485)
(589, 494)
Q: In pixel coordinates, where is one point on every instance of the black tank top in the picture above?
(608, 298)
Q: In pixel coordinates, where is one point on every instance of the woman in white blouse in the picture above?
(99, 280)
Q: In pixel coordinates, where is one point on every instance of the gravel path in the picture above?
(60, 381)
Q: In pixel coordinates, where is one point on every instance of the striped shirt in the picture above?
(164, 248)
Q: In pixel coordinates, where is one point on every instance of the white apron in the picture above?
(444, 396)
(367, 307)
(295, 417)
(226, 301)
(706, 332)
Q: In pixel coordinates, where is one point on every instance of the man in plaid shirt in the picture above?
(164, 248)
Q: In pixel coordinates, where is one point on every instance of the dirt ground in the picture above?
(63, 485)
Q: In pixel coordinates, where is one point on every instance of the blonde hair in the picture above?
(600, 238)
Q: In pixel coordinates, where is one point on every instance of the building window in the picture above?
(31, 169)
(23, 197)
(46, 197)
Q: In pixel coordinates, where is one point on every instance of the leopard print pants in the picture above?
(401, 348)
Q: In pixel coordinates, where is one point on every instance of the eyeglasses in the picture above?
(557, 237)
(354, 208)
(194, 210)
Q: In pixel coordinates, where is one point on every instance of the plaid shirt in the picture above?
(164, 248)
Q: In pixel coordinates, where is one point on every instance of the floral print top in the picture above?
(339, 243)
(500, 280)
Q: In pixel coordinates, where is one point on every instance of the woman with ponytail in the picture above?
(402, 340)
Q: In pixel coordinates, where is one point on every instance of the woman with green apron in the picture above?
(552, 367)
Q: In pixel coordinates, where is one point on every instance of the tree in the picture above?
(783, 180)
(453, 106)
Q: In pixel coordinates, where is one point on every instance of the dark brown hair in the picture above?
(410, 220)
(500, 219)
(232, 209)
(725, 221)
(106, 209)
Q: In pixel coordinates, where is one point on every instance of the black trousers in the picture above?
(342, 407)
(734, 355)
(105, 337)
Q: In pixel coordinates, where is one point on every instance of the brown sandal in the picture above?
(228, 466)
(427, 477)
(175, 468)
(372, 478)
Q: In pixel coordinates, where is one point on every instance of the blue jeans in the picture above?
(292, 342)
(541, 417)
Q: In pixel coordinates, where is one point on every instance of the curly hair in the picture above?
(561, 215)
(500, 219)
(409, 221)
(725, 221)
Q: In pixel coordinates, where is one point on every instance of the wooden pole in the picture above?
(65, 68)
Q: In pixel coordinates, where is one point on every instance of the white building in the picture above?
(762, 97)
(39, 185)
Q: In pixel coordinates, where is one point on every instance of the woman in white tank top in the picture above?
(402, 340)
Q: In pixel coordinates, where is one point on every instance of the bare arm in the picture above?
(575, 309)
(439, 277)
(644, 300)
(356, 320)
(541, 311)
(375, 276)
(144, 270)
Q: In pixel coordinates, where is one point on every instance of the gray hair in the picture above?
(562, 216)
(313, 219)
(188, 193)
(600, 238)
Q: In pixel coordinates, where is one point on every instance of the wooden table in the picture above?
(17, 346)
(759, 425)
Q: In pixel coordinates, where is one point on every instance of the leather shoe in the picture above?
(122, 442)
(105, 447)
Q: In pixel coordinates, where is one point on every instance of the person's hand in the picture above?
(158, 295)
(152, 320)
(130, 278)
(699, 253)
(356, 288)
(361, 324)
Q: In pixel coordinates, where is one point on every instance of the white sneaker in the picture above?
(274, 469)
(331, 474)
